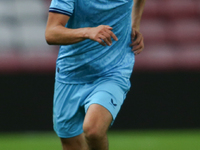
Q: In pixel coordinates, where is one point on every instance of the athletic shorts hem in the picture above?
(70, 136)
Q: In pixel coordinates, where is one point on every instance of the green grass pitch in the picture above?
(119, 140)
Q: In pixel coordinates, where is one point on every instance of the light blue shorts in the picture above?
(71, 102)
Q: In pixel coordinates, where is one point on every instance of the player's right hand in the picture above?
(101, 34)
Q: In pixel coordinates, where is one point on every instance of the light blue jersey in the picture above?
(86, 61)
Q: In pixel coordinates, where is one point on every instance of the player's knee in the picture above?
(93, 133)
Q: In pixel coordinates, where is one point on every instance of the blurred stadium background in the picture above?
(162, 108)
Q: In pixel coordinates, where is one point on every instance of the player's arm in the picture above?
(137, 38)
(57, 34)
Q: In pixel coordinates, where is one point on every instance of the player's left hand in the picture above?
(137, 41)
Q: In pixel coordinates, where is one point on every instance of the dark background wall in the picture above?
(157, 100)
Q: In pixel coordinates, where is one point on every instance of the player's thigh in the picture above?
(97, 120)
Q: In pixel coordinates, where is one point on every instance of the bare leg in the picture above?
(74, 143)
(95, 126)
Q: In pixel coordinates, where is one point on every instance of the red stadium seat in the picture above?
(156, 57)
(183, 31)
(169, 57)
(150, 10)
(188, 57)
(153, 31)
(198, 8)
(173, 9)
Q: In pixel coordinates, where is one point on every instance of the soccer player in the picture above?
(99, 40)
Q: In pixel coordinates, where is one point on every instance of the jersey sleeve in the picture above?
(65, 7)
